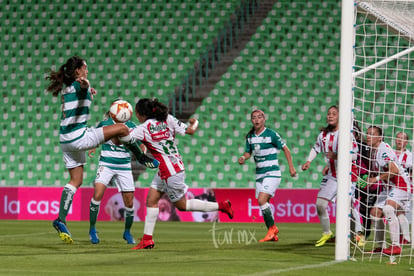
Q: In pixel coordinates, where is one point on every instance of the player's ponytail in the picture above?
(160, 110)
(64, 76)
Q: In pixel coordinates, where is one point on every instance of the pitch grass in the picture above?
(181, 248)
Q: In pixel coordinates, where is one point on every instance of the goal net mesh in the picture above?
(383, 93)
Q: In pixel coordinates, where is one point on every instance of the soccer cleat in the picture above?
(225, 207)
(128, 237)
(271, 234)
(144, 244)
(360, 239)
(323, 239)
(93, 236)
(403, 241)
(392, 250)
(62, 230)
(148, 161)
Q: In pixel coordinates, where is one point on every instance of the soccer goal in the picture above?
(377, 89)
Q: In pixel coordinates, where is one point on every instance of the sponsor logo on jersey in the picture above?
(159, 131)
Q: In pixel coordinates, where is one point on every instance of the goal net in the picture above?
(383, 96)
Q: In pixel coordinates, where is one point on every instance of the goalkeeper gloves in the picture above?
(362, 181)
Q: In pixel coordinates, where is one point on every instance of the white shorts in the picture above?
(267, 185)
(381, 198)
(174, 186)
(74, 153)
(401, 197)
(122, 179)
(328, 189)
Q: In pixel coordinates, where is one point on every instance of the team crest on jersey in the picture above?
(159, 131)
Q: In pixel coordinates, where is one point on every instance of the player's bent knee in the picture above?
(389, 211)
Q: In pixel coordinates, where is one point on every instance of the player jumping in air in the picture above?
(71, 83)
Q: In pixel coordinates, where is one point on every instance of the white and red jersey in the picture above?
(159, 138)
(382, 156)
(406, 159)
(328, 142)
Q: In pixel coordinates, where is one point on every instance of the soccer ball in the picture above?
(121, 111)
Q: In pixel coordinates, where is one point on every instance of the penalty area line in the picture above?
(296, 268)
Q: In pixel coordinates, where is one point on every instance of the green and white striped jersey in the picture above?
(113, 156)
(265, 148)
(76, 102)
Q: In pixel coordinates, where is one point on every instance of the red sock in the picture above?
(147, 237)
(220, 205)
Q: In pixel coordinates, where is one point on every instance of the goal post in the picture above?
(376, 88)
(345, 122)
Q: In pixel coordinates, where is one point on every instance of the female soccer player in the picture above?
(327, 143)
(157, 132)
(264, 144)
(115, 167)
(71, 82)
(405, 157)
(396, 194)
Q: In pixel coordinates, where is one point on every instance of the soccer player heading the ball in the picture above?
(157, 132)
(264, 144)
(71, 83)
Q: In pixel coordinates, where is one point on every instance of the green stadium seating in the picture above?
(289, 69)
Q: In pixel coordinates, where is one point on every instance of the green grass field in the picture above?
(181, 248)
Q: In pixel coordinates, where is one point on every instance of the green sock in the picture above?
(66, 201)
(93, 213)
(133, 146)
(268, 217)
(129, 217)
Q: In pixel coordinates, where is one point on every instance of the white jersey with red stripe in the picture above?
(406, 159)
(383, 155)
(159, 138)
(328, 142)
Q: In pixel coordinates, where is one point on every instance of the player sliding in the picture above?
(71, 83)
(157, 132)
(264, 144)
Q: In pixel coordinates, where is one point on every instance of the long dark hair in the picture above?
(152, 109)
(330, 128)
(64, 76)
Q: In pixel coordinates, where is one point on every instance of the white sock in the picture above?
(405, 226)
(201, 205)
(379, 233)
(321, 205)
(125, 139)
(357, 220)
(393, 223)
(150, 220)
